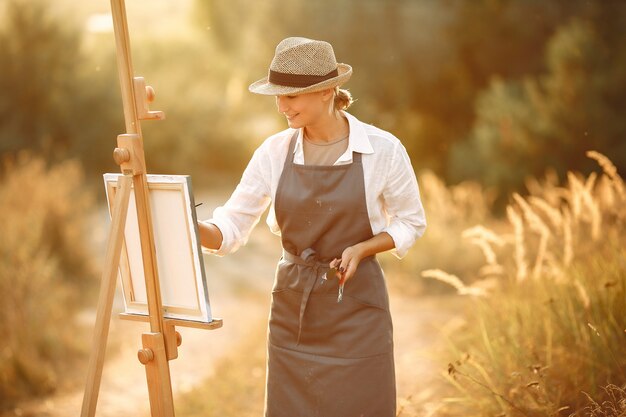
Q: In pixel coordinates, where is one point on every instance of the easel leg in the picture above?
(107, 293)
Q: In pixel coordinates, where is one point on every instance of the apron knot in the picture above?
(309, 258)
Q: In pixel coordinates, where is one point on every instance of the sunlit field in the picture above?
(546, 334)
(543, 333)
(513, 303)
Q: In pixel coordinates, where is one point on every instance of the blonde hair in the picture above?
(342, 100)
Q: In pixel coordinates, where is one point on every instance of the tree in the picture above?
(527, 125)
(50, 104)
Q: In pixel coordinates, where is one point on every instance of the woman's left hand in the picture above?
(347, 265)
(352, 255)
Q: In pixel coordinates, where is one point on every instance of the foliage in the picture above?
(45, 272)
(38, 55)
(549, 120)
(431, 86)
(489, 39)
(51, 103)
(613, 406)
(208, 129)
(494, 102)
(549, 325)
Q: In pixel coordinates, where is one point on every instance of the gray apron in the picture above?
(327, 359)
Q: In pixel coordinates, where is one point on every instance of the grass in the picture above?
(449, 209)
(545, 335)
(45, 273)
(614, 404)
(549, 332)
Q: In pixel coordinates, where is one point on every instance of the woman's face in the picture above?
(304, 109)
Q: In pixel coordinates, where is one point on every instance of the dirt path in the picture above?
(239, 288)
(420, 326)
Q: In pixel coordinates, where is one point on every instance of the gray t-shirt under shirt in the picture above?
(323, 154)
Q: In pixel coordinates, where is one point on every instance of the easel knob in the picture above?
(145, 355)
(129, 153)
(144, 94)
(150, 94)
(121, 155)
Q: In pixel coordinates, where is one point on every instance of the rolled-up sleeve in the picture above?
(402, 203)
(238, 216)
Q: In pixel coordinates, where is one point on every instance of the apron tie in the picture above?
(307, 258)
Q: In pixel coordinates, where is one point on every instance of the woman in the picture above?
(341, 191)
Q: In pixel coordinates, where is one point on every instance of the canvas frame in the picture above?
(182, 277)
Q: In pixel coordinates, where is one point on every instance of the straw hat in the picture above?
(302, 65)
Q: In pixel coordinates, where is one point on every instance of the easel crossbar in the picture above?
(212, 325)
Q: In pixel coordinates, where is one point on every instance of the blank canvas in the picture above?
(180, 267)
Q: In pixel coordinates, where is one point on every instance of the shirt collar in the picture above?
(358, 141)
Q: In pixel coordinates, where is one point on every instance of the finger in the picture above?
(339, 275)
(345, 275)
(345, 261)
(349, 272)
(343, 267)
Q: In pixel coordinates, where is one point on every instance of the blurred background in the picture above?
(497, 102)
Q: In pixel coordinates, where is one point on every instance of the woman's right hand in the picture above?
(210, 236)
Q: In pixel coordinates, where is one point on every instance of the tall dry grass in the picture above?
(547, 330)
(449, 209)
(45, 273)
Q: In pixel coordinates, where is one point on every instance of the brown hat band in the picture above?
(299, 80)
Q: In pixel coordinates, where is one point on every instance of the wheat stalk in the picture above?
(582, 293)
(520, 250)
(582, 190)
(610, 170)
(490, 255)
(568, 246)
(453, 281)
(575, 197)
(606, 192)
(537, 225)
(534, 221)
(484, 233)
(554, 269)
(593, 205)
(553, 214)
(442, 276)
(483, 237)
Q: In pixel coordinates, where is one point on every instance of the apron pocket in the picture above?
(312, 386)
(350, 329)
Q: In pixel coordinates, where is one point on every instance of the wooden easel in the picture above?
(160, 344)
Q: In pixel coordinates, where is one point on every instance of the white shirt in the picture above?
(391, 190)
